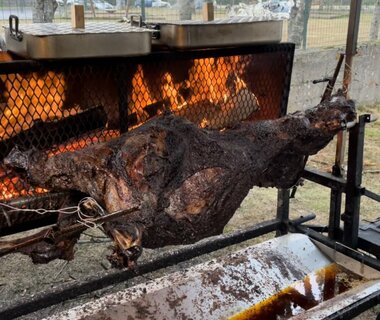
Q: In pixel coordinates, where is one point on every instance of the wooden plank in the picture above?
(77, 16)
(208, 11)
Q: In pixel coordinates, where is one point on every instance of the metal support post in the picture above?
(123, 101)
(354, 180)
(306, 15)
(351, 44)
(334, 214)
(283, 196)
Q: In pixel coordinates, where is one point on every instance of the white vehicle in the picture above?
(103, 5)
(69, 2)
(98, 4)
(161, 4)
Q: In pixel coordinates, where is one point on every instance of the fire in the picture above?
(84, 141)
(26, 99)
(30, 98)
(14, 187)
(171, 92)
(209, 91)
(141, 96)
(209, 79)
(213, 89)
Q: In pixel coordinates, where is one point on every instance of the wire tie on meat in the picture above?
(91, 204)
(86, 219)
(40, 211)
(88, 223)
(88, 202)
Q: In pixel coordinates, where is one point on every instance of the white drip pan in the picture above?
(228, 285)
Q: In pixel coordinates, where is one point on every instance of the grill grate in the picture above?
(65, 105)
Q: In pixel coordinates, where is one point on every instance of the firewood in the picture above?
(45, 134)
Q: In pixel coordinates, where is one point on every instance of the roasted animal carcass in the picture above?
(187, 182)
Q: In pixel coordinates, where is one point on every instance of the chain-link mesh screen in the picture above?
(67, 106)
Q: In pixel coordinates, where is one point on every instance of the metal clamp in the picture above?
(156, 35)
(14, 31)
(140, 23)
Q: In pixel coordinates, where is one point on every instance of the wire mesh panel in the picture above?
(67, 105)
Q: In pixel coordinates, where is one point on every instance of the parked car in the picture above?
(98, 4)
(278, 6)
(103, 5)
(153, 4)
(161, 4)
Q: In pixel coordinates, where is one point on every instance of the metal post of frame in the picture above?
(351, 45)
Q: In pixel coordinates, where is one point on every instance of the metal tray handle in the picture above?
(134, 23)
(13, 31)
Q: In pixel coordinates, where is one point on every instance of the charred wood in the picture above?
(46, 134)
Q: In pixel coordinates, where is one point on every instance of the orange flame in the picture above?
(31, 98)
(40, 97)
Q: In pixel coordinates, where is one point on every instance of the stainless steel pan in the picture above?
(225, 32)
(59, 41)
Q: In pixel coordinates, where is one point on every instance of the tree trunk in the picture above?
(186, 8)
(127, 8)
(43, 10)
(187, 182)
(374, 32)
(297, 25)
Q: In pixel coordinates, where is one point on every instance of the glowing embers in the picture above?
(13, 186)
(84, 141)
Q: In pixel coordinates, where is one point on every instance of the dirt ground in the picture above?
(20, 279)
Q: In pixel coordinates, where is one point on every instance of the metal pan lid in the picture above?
(51, 29)
(234, 20)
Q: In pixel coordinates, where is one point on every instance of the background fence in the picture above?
(324, 22)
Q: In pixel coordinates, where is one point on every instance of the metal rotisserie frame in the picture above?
(62, 105)
(94, 100)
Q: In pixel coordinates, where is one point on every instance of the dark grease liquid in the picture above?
(315, 288)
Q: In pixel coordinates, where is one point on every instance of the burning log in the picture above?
(187, 182)
(55, 132)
